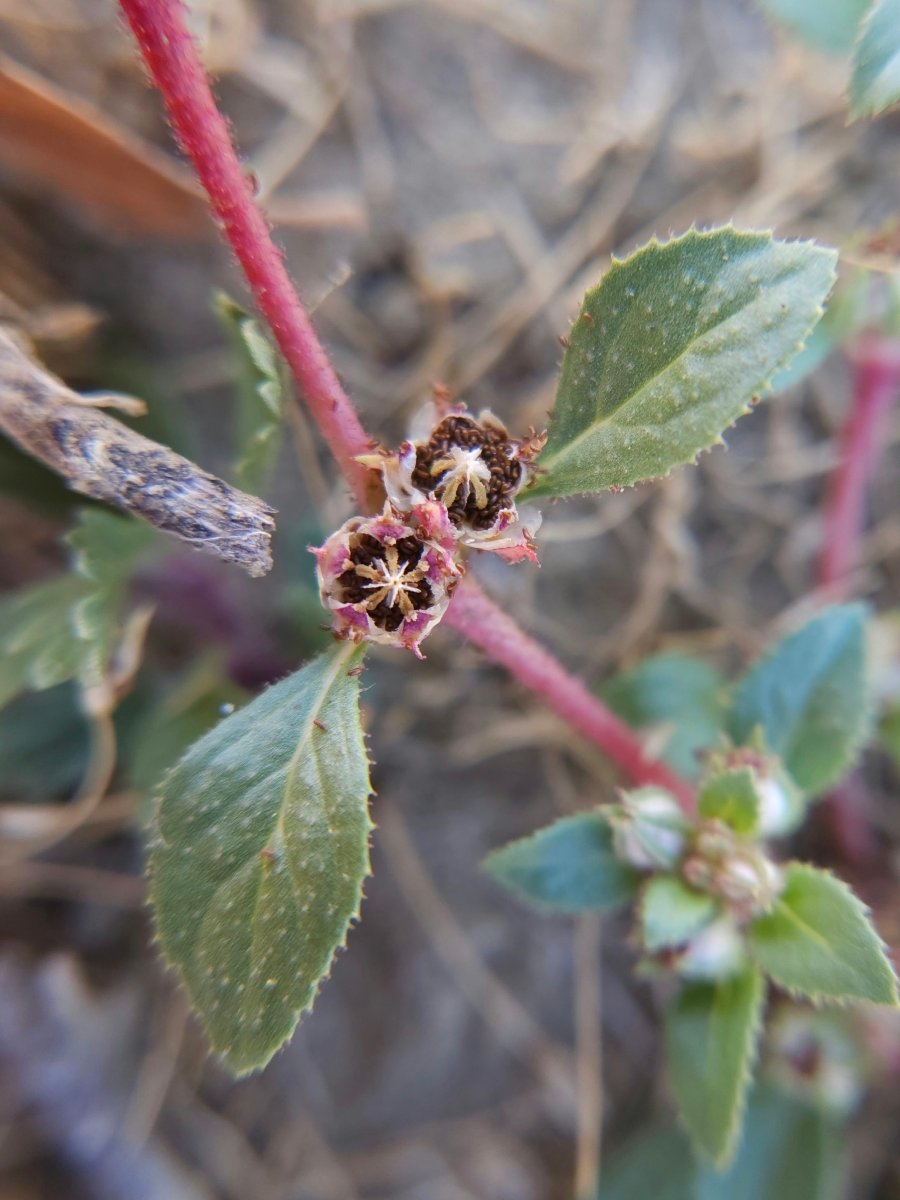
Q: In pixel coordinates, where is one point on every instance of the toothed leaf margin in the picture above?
(261, 850)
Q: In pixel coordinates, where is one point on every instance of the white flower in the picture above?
(384, 582)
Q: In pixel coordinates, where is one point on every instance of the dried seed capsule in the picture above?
(474, 469)
(384, 582)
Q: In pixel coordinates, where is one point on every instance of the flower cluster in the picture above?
(452, 484)
(711, 882)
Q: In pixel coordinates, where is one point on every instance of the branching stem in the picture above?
(171, 57)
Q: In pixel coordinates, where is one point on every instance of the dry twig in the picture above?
(101, 458)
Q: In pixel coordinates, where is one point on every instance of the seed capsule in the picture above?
(384, 582)
(474, 469)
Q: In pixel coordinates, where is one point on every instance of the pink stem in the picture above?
(481, 622)
(171, 57)
(876, 385)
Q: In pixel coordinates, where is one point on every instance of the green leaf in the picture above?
(39, 647)
(809, 697)
(827, 24)
(44, 744)
(672, 912)
(260, 407)
(567, 867)
(657, 1165)
(70, 627)
(788, 1151)
(262, 848)
(846, 312)
(819, 942)
(875, 82)
(106, 549)
(671, 348)
(681, 699)
(731, 797)
(711, 1034)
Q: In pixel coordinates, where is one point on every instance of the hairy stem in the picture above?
(171, 56)
(876, 384)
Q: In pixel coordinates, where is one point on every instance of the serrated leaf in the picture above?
(679, 698)
(731, 797)
(262, 848)
(827, 24)
(809, 697)
(260, 407)
(671, 912)
(106, 549)
(846, 312)
(671, 348)
(567, 867)
(711, 1036)
(875, 81)
(818, 941)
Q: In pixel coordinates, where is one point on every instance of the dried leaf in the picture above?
(61, 140)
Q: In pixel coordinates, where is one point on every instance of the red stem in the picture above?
(875, 386)
(876, 382)
(171, 57)
(481, 622)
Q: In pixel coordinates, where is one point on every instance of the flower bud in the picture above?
(649, 829)
(735, 870)
(716, 952)
(383, 582)
(749, 884)
(780, 805)
(780, 801)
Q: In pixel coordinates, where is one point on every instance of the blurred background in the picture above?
(447, 177)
